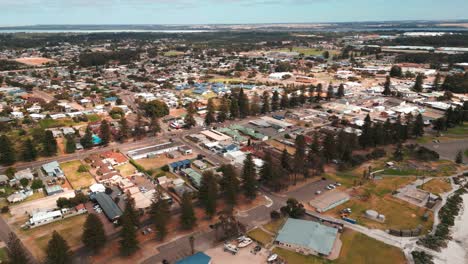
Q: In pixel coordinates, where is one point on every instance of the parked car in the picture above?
(246, 242)
(272, 258)
(318, 192)
(230, 248)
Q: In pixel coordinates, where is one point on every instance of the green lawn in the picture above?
(357, 248)
(172, 53)
(308, 51)
(260, 236)
(275, 225)
(77, 179)
(3, 255)
(292, 257)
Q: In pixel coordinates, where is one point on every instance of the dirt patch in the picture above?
(34, 61)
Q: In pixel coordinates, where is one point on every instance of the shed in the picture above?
(109, 207)
(54, 189)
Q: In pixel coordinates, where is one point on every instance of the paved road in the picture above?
(448, 149)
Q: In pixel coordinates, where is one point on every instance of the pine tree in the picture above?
(266, 103)
(302, 96)
(319, 91)
(139, 129)
(208, 193)
(189, 120)
(437, 82)
(187, 217)
(128, 237)
(418, 129)
(299, 156)
(285, 160)
(124, 131)
(270, 172)
(275, 101)
(284, 103)
(330, 92)
(249, 175)
(418, 83)
(234, 108)
(94, 237)
(398, 154)
(387, 91)
(87, 139)
(229, 184)
(223, 110)
(58, 251)
(459, 157)
(7, 151)
(16, 251)
(70, 146)
(329, 147)
(105, 132)
(49, 144)
(255, 107)
(244, 105)
(155, 126)
(311, 93)
(367, 138)
(29, 151)
(341, 91)
(396, 71)
(131, 211)
(160, 214)
(210, 114)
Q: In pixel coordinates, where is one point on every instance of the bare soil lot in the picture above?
(34, 61)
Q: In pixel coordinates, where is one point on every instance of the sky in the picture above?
(31, 12)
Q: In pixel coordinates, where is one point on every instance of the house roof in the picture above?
(308, 234)
(198, 258)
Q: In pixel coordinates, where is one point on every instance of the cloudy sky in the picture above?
(27, 12)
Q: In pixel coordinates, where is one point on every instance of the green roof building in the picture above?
(307, 237)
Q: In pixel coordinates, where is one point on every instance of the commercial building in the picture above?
(329, 200)
(149, 152)
(307, 237)
(109, 207)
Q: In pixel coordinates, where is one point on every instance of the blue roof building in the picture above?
(307, 237)
(198, 258)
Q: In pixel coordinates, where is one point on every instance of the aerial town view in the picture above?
(232, 132)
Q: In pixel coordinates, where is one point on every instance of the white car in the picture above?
(272, 258)
(231, 248)
(246, 242)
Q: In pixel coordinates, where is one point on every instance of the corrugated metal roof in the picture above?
(308, 234)
(108, 206)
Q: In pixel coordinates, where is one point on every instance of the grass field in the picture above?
(357, 248)
(70, 229)
(275, 225)
(126, 170)
(3, 255)
(260, 236)
(437, 186)
(173, 53)
(77, 179)
(440, 168)
(398, 214)
(308, 51)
